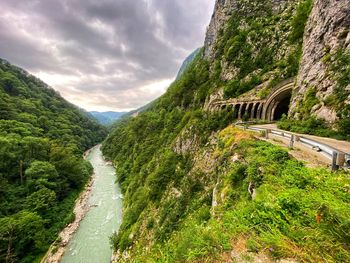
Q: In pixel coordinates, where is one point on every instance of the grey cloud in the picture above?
(112, 48)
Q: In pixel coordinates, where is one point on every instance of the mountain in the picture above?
(42, 140)
(197, 189)
(107, 117)
(187, 62)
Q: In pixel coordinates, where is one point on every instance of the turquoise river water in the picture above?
(90, 244)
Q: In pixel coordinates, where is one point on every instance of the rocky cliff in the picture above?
(224, 10)
(326, 35)
(254, 45)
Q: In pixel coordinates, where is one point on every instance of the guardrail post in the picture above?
(334, 161)
(341, 159)
(291, 143)
(266, 133)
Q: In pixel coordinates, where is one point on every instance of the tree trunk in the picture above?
(21, 170)
(8, 254)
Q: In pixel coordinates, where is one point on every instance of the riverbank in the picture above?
(57, 249)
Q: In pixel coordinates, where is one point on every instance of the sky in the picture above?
(103, 54)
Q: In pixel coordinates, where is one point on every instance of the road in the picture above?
(302, 151)
(343, 146)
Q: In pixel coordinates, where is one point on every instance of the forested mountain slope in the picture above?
(198, 190)
(42, 139)
(108, 117)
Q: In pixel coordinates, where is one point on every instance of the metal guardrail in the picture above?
(338, 158)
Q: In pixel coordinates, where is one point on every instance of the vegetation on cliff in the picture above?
(42, 138)
(189, 203)
(259, 45)
(196, 189)
(142, 149)
(339, 68)
(295, 212)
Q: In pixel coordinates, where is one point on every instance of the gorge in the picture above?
(177, 180)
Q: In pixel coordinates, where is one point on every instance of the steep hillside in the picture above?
(42, 139)
(198, 190)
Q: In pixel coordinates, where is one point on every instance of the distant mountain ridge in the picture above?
(187, 62)
(107, 117)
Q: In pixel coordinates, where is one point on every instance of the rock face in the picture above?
(222, 11)
(327, 31)
(247, 44)
(187, 142)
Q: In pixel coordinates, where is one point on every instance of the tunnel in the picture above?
(281, 108)
(278, 103)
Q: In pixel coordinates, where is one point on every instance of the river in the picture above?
(91, 241)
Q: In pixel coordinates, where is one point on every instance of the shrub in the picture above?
(299, 20)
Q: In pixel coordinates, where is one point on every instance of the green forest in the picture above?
(42, 139)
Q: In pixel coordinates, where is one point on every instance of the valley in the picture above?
(245, 157)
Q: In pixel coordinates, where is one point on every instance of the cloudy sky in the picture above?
(103, 54)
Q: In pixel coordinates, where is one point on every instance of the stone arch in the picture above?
(278, 103)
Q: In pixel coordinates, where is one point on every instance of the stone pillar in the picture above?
(252, 115)
(240, 111)
(246, 110)
(291, 143)
(272, 112)
(259, 113)
(235, 111)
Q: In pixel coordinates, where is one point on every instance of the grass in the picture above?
(314, 126)
(298, 212)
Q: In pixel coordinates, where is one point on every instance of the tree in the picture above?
(40, 201)
(18, 233)
(41, 175)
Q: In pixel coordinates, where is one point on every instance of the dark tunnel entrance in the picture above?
(282, 108)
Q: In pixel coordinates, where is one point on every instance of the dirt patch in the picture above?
(310, 157)
(240, 254)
